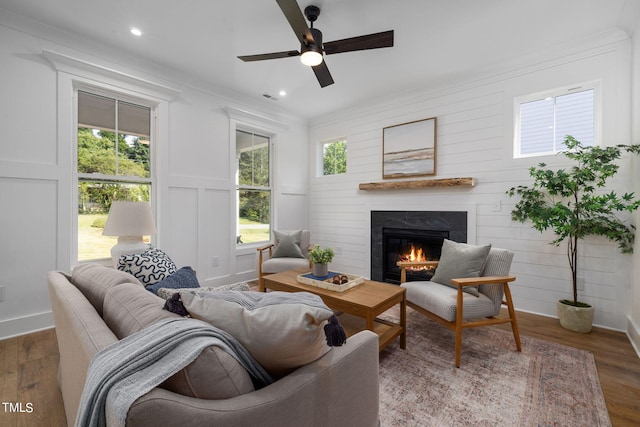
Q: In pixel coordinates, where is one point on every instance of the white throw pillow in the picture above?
(281, 330)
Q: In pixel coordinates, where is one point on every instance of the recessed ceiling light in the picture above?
(136, 31)
(282, 93)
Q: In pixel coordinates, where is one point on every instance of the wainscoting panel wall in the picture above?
(475, 126)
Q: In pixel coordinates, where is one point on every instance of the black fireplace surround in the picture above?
(393, 233)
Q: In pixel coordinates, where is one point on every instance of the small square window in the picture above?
(544, 120)
(334, 157)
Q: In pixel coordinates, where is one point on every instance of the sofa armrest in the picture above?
(338, 389)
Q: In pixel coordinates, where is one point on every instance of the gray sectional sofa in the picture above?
(96, 306)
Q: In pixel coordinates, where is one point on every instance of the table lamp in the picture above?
(129, 221)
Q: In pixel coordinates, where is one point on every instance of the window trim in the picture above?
(595, 85)
(71, 71)
(240, 119)
(121, 179)
(320, 151)
(237, 187)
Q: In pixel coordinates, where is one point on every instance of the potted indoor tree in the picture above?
(321, 259)
(573, 205)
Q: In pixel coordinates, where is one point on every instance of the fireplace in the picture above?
(400, 235)
(401, 244)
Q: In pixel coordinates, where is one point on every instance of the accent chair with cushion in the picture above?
(466, 290)
(290, 250)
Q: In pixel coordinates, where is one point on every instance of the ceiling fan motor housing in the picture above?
(317, 39)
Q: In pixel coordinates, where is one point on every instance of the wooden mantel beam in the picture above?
(423, 183)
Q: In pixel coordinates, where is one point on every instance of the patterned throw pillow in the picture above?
(149, 267)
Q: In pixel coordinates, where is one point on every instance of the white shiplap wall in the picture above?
(474, 139)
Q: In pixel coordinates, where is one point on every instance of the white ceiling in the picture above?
(435, 40)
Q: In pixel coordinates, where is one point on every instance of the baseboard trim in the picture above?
(25, 325)
(633, 332)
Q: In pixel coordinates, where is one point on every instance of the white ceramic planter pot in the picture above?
(320, 270)
(577, 319)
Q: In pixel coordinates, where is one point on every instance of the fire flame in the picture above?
(415, 255)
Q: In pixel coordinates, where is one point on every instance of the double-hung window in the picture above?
(113, 149)
(544, 120)
(253, 187)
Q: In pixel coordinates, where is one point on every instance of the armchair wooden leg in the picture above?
(261, 284)
(459, 318)
(512, 316)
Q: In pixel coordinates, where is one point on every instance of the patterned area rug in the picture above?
(547, 384)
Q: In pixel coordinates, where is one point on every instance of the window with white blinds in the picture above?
(544, 120)
(113, 152)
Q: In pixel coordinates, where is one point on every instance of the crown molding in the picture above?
(72, 65)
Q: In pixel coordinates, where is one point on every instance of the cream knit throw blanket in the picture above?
(129, 368)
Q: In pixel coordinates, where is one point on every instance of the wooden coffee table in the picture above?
(358, 306)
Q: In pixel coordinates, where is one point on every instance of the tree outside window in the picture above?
(334, 157)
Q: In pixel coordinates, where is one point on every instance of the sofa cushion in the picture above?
(94, 280)
(166, 293)
(149, 267)
(213, 375)
(442, 301)
(281, 330)
(460, 260)
(185, 277)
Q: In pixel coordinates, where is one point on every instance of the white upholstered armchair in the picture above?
(289, 250)
(466, 291)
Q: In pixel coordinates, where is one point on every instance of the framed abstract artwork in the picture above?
(409, 149)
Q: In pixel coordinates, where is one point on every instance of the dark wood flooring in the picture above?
(28, 369)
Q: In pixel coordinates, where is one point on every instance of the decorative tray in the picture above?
(326, 282)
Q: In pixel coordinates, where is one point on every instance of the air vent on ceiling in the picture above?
(271, 97)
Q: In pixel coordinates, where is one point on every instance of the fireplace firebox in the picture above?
(400, 235)
(410, 245)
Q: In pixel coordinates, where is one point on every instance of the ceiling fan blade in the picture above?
(297, 20)
(274, 55)
(369, 41)
(322, 74)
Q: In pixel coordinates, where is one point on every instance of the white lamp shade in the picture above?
(129, 219)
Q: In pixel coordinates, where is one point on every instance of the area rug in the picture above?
(547, 384)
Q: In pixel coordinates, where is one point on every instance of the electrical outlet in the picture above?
(580, 284)
(337, 251)
(215, 261)
(497, 205)
(1, 293)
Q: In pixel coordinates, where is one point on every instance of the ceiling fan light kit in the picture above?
(311, 46)
(311, 56)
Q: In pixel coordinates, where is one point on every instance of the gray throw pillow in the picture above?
(460, 260)
(287, 244)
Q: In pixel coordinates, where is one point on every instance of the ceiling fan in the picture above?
(311, 46)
